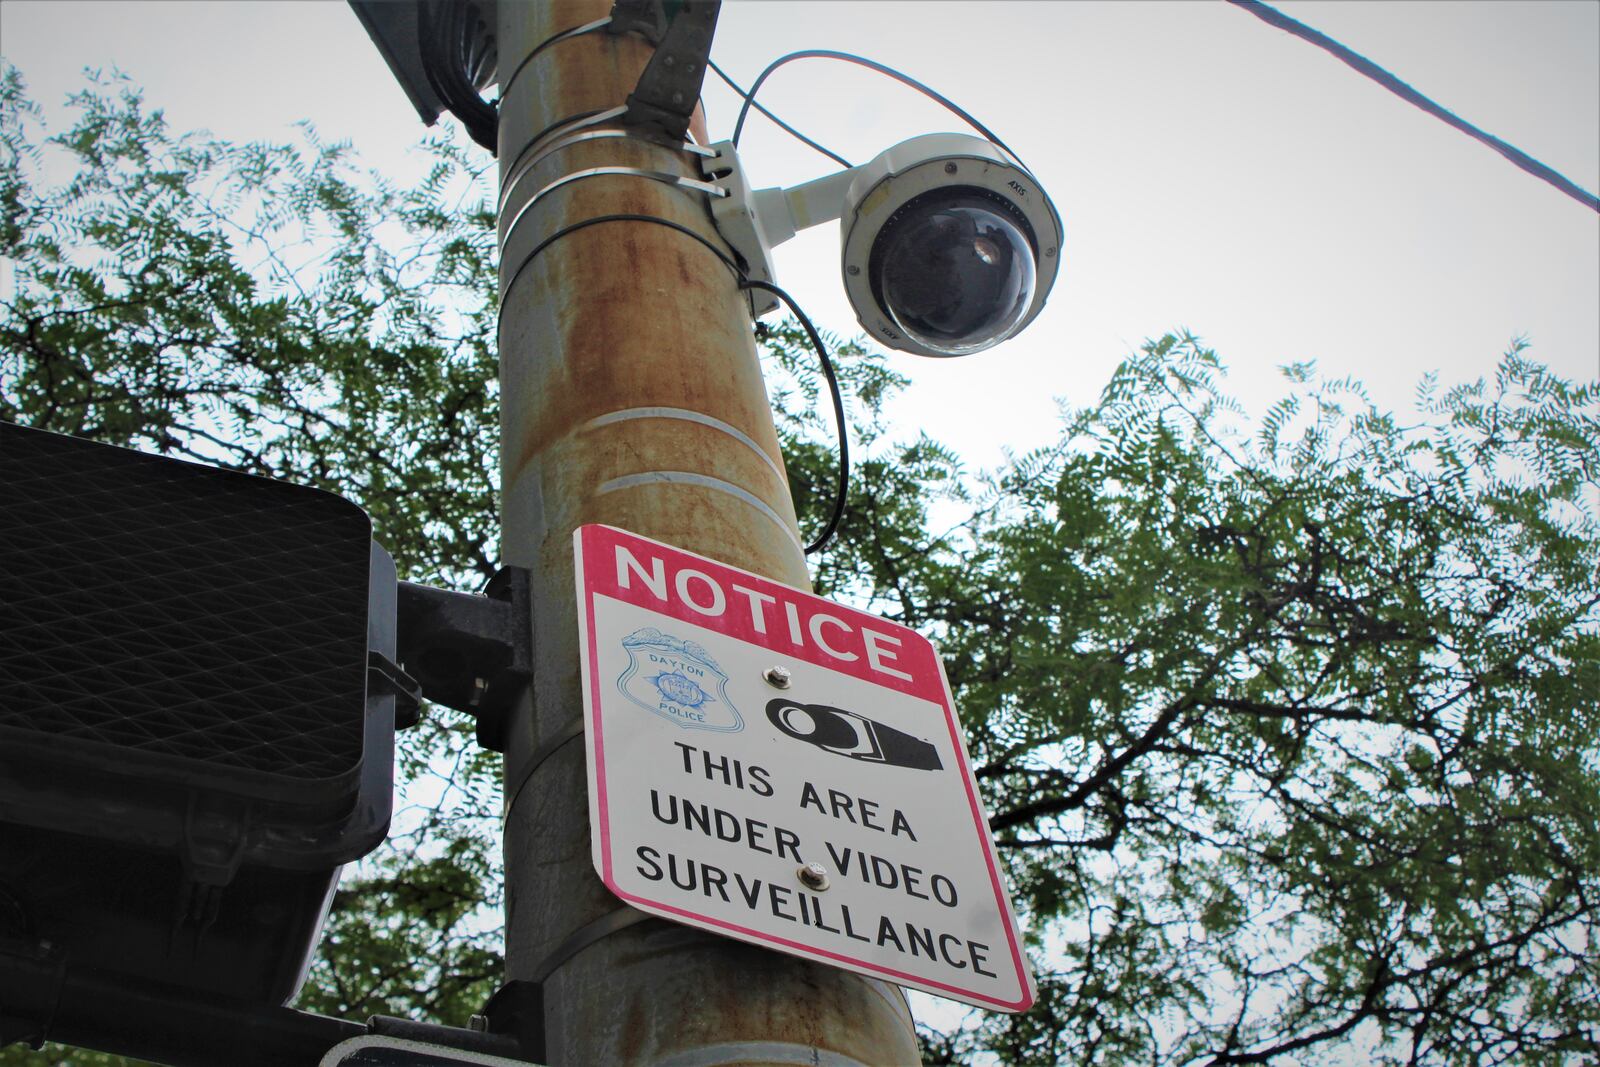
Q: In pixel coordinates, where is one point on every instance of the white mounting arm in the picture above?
(785, 212)
(756, 221)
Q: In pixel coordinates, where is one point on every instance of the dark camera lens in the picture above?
(816, 723)
(954, 269)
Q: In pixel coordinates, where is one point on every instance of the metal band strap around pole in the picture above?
(584, 936)
(569, 732)
(549, 146)
(676, 180)
(600, 928)
(556, 38)
(580, 121)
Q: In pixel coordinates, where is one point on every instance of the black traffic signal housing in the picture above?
(197, 713)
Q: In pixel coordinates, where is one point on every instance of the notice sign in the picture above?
(788, 771)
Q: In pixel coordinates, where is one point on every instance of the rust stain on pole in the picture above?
(632, 395)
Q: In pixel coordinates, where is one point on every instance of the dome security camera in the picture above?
(948, 246)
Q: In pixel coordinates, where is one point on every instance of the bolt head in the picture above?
(813, 876)
(480, 1023)
(852, 270)
(949, 168)
(778, 677)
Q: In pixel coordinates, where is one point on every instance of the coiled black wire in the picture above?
(838, 409)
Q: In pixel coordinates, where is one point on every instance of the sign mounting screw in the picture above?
(813, 876)
(778, 678)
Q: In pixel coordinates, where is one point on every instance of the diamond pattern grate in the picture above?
(168, 608)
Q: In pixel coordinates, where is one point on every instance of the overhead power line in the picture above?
(1405, 92)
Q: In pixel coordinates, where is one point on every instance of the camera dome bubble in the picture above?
(954, 269)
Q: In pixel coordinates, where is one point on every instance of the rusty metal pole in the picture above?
(631, 395)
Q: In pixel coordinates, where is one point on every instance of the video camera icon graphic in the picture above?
(846, 733)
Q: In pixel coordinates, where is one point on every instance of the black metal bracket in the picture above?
(669, 87)
(470, 652)
(43, 998)
(385, 676)
(28, 1022)
(645, 17)
(517, 1010)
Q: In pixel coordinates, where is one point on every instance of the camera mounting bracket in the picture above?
(669, 87)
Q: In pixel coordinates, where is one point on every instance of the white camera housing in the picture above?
(948, 246)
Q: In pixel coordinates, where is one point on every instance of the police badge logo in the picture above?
(679, 681)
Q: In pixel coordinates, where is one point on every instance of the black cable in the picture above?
(599, 24)
(534, 141)
(1365, 66)
(838, 409)
(904, 79)
(808, 142)
(744, 284)
(555, 38)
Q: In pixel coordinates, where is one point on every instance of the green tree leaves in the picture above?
(265, 307)
(1324, 727)
(1288, 732)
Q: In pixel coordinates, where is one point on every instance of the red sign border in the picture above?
(590, 537)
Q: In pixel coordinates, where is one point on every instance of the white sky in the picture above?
(1213, 172)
